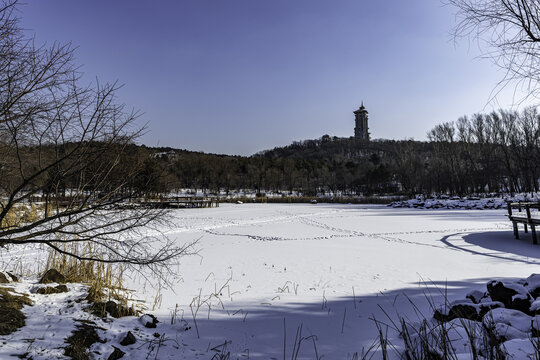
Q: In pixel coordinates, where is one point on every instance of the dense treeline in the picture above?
(497, 152)
(325, 165)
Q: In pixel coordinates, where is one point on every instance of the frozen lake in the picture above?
(264, 270)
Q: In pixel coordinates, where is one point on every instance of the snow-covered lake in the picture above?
(265, 270)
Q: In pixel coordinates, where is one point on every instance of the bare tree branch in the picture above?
(508, 33)
(68, 149)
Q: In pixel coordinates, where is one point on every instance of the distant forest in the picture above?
(497, 152)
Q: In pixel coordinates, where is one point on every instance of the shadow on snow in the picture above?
(500, 244)
(335, 328)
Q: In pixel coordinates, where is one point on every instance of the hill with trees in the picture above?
(497, 152)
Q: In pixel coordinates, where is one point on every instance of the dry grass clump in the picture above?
(105, 280)
(81, 339)
(427, 338)
(11, 316)
(98, 275)
(52, 290)
(22, 214)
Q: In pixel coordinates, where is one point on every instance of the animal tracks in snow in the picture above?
(338, 232)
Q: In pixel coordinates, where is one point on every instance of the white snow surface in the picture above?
(266, 271)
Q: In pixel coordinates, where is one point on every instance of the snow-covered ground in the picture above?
(265, 272)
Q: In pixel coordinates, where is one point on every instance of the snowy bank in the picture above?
(265, 271)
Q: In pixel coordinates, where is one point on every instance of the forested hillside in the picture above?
(497, 152)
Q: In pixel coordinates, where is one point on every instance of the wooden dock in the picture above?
(173, 202)
(523, 216)
(183, 202)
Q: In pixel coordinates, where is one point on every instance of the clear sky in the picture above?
(240, 76)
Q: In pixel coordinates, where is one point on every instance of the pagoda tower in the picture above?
(361, 121)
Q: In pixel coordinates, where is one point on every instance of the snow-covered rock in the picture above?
(148, 320)
(507, 321)
(444, 202)
(505, 292)
(533, 285)
(510, 317)
(519, 349)
(476, 296)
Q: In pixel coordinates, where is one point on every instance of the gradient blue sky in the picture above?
(240, 76)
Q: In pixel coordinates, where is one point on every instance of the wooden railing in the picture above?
(158, 202)
(523, 216)
(183, 202)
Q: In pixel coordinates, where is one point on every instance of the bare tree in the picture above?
(66, 146)
(508, 32)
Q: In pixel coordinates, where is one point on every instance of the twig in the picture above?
(343, 323)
